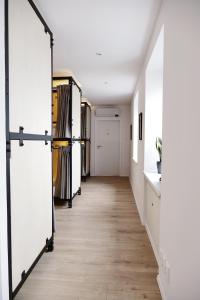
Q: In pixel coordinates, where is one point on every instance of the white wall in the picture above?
(124, 140)
(137, 168)
(3, 203)
(180, 194)
(180, 203)
(125, 115)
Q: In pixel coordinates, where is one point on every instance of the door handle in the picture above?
(99, 146)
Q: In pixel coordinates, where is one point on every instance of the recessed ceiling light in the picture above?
(98, 53)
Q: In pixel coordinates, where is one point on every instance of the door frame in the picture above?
(94, 120)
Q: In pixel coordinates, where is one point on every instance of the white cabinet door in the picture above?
(29, 70)
(76, 167)
(76, 112)
(152, 214)
(31, 203)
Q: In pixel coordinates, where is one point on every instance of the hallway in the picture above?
(101, 250)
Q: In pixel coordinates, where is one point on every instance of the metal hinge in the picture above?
(8, 150)
(21, 131)
(46, 135)
(51, 42)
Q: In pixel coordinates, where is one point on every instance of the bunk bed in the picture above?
(66, 139)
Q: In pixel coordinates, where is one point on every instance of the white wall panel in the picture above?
(76, 167)
(30, 70)
(76, 112)
(31, 203)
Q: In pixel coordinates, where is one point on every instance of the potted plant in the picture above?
(159, 149)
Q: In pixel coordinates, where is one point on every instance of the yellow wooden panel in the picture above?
(56, 146)
(57, 82)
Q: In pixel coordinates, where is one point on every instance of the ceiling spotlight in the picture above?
(98, 53)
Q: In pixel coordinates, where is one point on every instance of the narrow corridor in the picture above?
(102, 251)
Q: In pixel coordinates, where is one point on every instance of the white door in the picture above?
(107, 147)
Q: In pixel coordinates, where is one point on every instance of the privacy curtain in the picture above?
(62, 184)
(63, 107)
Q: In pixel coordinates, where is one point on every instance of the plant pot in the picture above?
(159, 167)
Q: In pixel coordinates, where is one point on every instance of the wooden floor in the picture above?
(102, 251)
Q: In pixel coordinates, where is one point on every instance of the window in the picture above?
(153, 105)
(135, 127)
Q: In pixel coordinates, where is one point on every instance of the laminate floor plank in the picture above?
(102, 251)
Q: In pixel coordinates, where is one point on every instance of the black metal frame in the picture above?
(85, 140)
(84, 177)
(70, 78)
(47, 248)
(21, 136)
(72, 139)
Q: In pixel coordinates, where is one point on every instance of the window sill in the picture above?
(136, 162)
(154, 181)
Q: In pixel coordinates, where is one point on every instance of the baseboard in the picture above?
(153, 244)
(161, 288)
(124, 175)
(141, 215)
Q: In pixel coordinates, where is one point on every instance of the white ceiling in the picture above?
(120, 30)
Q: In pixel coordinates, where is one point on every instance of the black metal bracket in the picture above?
(46, 135)
(21, 132)
(79, 191)
(23, 275)
(51, 43)
(21, 137)
(76, 139)
(8, 150)
(49, 245)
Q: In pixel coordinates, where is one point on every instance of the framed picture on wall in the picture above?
(140, 126)
(131, 132)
